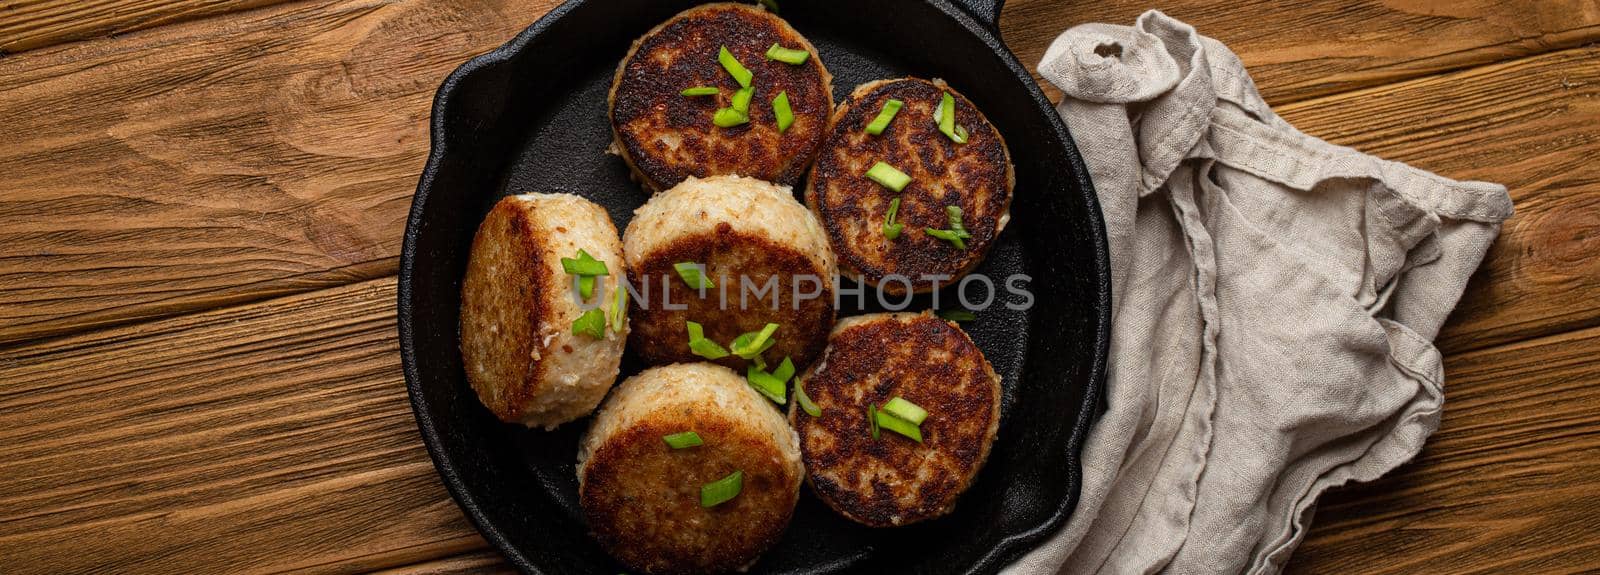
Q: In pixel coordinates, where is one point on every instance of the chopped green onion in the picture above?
(729, 117)
(872, 419)
(693, 274)
(785, 370)
(906, 410)
(722, 490)
(953, 213)
(780, 108)
(889, 177)
(800, 397)
(891, 229)
(949, 236)
(957, 234)
(890, 108)
(584, 265)
(947, 119)
(700, 91)
(683, 440)
(592, 323)
(888, 421)
(771, 5)
(734, 68)
(619, 308)
(741, 100)
(750, 345)
(768, 384)
(700, 345)
(957, 315)
(586, 286)
(787, 55)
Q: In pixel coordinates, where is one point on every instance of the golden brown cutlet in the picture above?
(666, 137)
(893, 480)
(977, 176)
(641, 497)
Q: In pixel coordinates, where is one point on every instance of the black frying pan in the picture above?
(531, 117)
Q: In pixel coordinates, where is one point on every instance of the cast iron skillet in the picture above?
(531, 117)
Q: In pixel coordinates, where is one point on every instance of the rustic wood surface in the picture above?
(201, 209)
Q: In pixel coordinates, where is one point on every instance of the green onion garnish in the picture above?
(890, 108)
(771, 5)
(729, 117)
(891, 229)
(751, 344)
(785, 370)
(586, 286)
(888, 421)
(780, 108)
(889, 177)
(872, 419)
(741, 100)
(800, 397)
(592, 323)
(586, 268)
(619, 308)
(786, 55)
(949, 236)
(947, 119)
(953, 213)
(722, 490)
(682, 440)
(700, 345)
(768, 384)
(957, 315)
(732, 65)
(584, 265)
(906, 410)
(957, 234)
(694, 274)
(700, 91)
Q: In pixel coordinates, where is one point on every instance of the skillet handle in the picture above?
(986, 12)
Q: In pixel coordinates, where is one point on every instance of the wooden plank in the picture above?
(277, 435)
(480, 562)
(274, 151)
(1302, 49)
(262, 438)
(35, 24)
(221, 161)
(1528, 124)
(1509, 484)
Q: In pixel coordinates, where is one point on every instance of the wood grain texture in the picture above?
(224, 160)
(274, 151)
(262, 438)
(484, 561)
(1301, 49)
(1532, 124)
(1509, 484)
(25, 25)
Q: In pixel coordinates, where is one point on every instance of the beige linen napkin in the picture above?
(1276, 298)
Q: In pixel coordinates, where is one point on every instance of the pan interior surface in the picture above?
(531, 117)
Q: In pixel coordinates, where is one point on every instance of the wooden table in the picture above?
(201, 212)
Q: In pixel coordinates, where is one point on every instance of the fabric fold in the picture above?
(1274, 302)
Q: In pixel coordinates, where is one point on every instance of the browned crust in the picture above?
(977, 175)
(658, 334)
(641, 499)
(929, 362)
(645, 99)
(513, 294)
